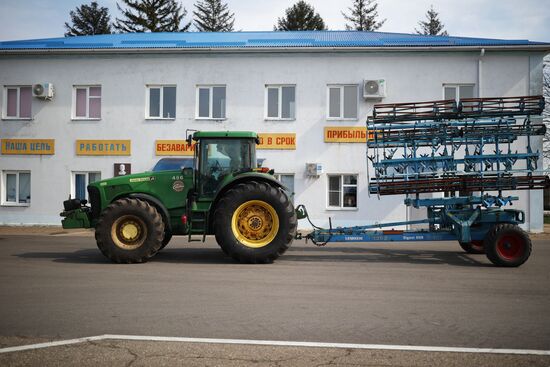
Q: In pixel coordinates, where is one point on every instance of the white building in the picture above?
(141, 92)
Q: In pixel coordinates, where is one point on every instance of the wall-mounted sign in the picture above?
(345, 134)
(103, 147)
(28, 146)
(277, 141)
(123, 169)
(173, 147)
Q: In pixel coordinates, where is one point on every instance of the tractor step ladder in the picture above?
(198, 225)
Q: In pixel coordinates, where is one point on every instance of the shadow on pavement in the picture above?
(384, 255)
(295, 254)
(93, 256)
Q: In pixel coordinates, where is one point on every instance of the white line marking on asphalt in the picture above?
(413, 348)
(51, 344)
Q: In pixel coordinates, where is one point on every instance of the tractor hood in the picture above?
(131, 179)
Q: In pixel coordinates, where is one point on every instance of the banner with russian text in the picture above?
(28, 146)
(346, 134)
(173, 147)
(103, 147)
(285, 141)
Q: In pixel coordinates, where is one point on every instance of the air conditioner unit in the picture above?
(43, 90)
(375, 88)
(314, 169)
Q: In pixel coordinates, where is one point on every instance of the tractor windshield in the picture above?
(219, 157)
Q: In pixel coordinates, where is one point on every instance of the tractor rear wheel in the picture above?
(474, 247)
(255, 222)
(507, 245)
(129, 231)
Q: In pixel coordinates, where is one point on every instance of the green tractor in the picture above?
(224, 194)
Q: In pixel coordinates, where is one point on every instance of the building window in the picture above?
(342, 102)
(161, 101)
(286, 179)
(81, 180)
(211, 102)
(280, 102)
(87, 102)
(458, 91)
(16, 188)
(18, 102)
(342, 191)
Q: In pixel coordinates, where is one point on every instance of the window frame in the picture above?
(210, 87)
(341, 189)
(277, 176)
(456, 87)
(18, 104)
(161, 102)
(342, 94)
(87, 87)
(4, 202)
(73, 181)
(279, 117)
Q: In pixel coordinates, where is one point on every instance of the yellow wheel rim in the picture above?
(128, 232)
(255, 223)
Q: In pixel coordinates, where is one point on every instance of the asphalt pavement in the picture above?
(55, 287)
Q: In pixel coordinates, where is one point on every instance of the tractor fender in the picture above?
(270, 180)
(157, 204)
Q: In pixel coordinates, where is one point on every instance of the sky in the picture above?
(32, 19)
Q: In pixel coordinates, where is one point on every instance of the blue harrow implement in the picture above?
(471, 155)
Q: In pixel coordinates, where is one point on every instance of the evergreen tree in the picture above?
(362, 16)
(151, 16)
(433, 25)
(300, 17)
(213, 16)
(546, 112)
(88, 20)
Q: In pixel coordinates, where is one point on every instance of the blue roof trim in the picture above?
(252, 40)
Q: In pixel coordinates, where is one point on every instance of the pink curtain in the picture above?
(95, 91)
(95, 102)
(25, 94)
(80, 102)
(12, 103)
(95, 108)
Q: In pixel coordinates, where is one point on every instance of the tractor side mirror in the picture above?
(187, 171)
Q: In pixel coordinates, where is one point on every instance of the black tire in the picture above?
(136, 216)
(278, 239)
(474, 247)
(166, 239)
(507, 245)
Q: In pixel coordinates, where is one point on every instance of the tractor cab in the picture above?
(220, 156)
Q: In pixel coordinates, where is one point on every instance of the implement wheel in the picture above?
(129, 231)
(474, 247)
(255, 222)
(507, 245)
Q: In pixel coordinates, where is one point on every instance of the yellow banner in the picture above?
(285, 141)
(28, 146)
(103, 147)
(346, 134)
(173, 147)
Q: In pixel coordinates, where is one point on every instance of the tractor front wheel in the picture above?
(166, 239)
(129, 231)
(507, 245)
(255, 222)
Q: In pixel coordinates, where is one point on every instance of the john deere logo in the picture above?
(177, 186)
